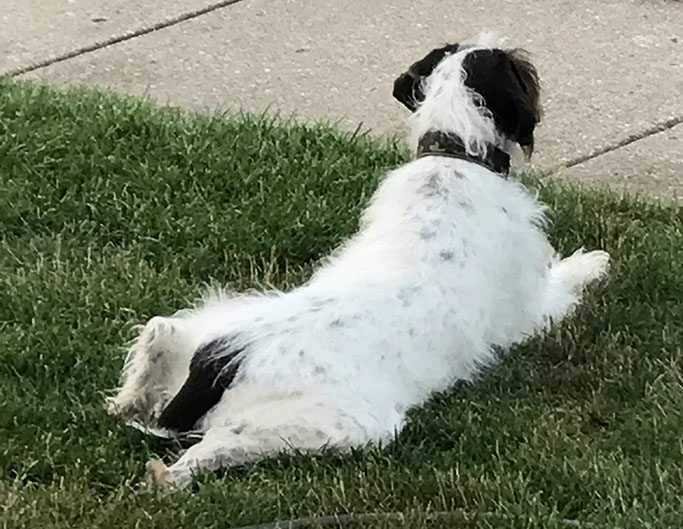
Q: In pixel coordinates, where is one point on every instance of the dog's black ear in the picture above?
(407, 90)
(527, 99)
(510, 88)
(408, 85)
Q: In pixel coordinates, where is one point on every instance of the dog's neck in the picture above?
(439, 143)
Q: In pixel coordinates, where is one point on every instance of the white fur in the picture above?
(450, 262)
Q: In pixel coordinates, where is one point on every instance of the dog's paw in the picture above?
(580, 269)
(117, 406)
(158, 475)
(594, 265)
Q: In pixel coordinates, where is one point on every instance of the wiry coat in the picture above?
(450, 264)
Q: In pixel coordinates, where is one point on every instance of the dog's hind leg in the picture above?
(224, 447)
(157, 363)
(567, 280)
(220, 447)
(249, 425)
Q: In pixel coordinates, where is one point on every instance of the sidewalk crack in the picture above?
(121, 38)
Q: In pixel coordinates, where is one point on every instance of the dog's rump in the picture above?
(213, 369)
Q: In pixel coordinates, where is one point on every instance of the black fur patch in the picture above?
(408, 86)
(213, 369)
(509, 86)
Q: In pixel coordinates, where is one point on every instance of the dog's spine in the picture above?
(213, 369)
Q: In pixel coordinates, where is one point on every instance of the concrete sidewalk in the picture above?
(612, 70)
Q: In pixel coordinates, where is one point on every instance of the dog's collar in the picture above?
(438, 143)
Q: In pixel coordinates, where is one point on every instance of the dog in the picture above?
(450, 265)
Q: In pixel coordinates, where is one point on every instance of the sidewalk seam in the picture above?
(655, 129)
(121, 38)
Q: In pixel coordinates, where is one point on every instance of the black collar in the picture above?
(438, 143)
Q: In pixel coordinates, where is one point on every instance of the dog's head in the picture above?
(500, 85)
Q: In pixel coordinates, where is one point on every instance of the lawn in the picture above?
(112, 211)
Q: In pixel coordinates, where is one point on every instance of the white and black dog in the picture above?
(450, 264)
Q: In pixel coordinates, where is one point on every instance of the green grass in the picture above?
(112, 211)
